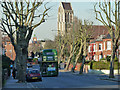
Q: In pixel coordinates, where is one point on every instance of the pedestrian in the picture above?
(32, 54)
(64, 65)
(14, 73)
(11, 68)
(91, 64)
(59, 66)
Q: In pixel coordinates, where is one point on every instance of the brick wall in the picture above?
(9, 50)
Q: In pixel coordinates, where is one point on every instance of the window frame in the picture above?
(108, 46)
(100, 44)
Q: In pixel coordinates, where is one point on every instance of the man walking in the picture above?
(14, 73)
(11, 68)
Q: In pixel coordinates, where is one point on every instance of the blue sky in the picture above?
(83, 10)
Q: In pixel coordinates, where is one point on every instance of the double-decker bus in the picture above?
(49, 62)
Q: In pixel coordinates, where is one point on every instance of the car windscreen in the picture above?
(34, 71)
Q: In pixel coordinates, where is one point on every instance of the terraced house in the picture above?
(7, 47)
(101, 45)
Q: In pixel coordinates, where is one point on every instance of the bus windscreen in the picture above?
(49, 53)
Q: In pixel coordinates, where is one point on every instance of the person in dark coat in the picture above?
(14, 73)
(32, 54)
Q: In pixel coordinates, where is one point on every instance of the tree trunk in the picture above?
(21, 55)
(61, 52)
(16, 65)
(111, 75)
(81, 67)
(77, 57)
(69, 59)
(84, 56)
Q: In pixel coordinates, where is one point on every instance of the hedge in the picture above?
(6, 61)
(102, 65)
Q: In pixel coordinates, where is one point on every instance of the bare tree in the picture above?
(35, 47)
(83, 36)
(73, 47)
(50, 44)
(18, 22)
(107, 14)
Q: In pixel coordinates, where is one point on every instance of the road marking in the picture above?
(31, 85)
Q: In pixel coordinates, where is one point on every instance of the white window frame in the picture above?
(94, 57)
(119, 47)
(104, 56)
(104, 45)
(109, 45)
(100, 56)
(94, 48)
(101, 46)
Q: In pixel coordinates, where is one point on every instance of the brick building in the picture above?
(7, 48)
(35, 46)
(101, 45)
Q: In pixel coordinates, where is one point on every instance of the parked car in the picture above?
(36, 66)
(33, 74)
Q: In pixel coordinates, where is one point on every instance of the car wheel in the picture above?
(27, 80)
(40, 79)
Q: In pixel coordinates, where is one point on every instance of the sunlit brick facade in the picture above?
(7, 48)
(101, 48)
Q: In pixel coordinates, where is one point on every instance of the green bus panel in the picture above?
(49, 68)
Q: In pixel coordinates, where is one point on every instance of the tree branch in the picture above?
(42, 20)
(6, 7)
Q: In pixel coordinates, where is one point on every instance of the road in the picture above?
(69, 80)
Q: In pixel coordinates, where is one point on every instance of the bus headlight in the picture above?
(56, 58)
(44, 58)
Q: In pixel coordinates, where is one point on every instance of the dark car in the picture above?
(33, 74)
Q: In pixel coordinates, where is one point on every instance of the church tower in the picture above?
(65, 18)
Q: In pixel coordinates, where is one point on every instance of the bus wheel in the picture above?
(56, 75)
(40, 79)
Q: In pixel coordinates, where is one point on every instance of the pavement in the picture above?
(12, 83)
(99, 74)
